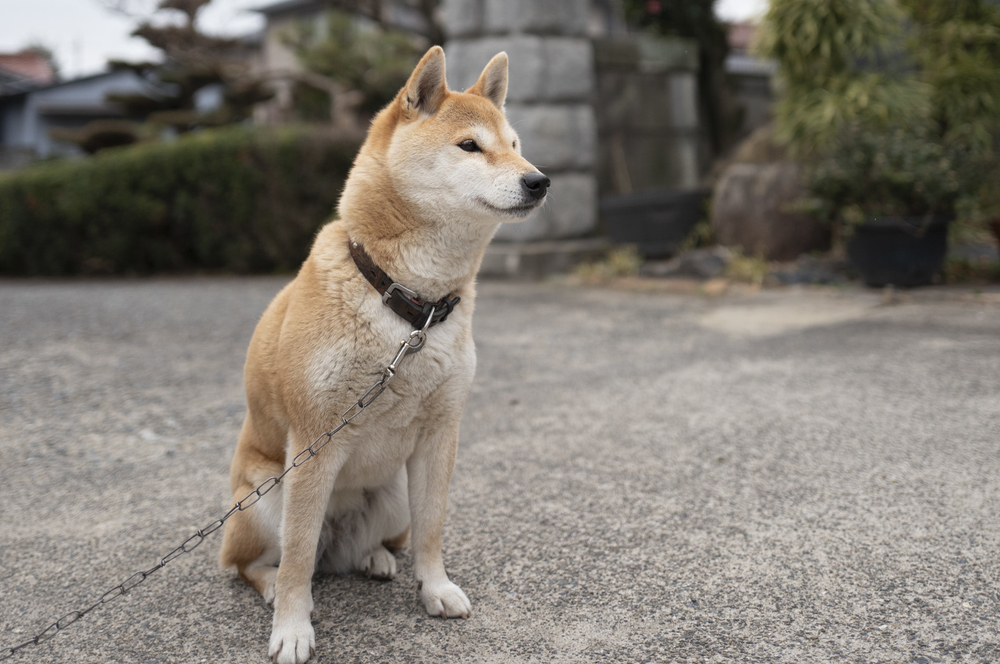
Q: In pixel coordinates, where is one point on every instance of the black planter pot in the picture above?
(656, 222)
(902, 251)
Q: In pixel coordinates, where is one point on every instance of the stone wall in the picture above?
(649, 129)
(549, 98)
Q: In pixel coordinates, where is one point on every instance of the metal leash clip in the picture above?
(411, 345)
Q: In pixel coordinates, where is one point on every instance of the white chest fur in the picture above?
(428, 384)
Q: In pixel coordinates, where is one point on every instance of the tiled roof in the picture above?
(28, 64)
(286, 6)
(741, 35)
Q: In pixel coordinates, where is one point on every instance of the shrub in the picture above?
(897, 173)
(841, 62)
(237, 200)
(957, 44)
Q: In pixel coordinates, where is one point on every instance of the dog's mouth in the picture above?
(514, 211)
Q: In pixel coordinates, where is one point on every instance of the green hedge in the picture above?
(235, 200)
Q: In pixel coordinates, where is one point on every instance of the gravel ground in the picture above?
(791, 476)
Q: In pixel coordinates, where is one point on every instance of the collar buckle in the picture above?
(387, 295)
(407, 304)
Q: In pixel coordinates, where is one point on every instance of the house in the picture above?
(27, 115)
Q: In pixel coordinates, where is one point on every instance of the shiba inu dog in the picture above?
(436, 175)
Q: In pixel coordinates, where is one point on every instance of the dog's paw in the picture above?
(445, 599)
(379, 564)
(292, 643)
(269, 576)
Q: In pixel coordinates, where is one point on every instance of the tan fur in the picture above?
(425, 210)
(398, 542)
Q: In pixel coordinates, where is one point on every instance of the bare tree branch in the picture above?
(375, 10)
(343, 102)
(133, 9)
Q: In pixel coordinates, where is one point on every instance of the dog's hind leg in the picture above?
(358, 537)
(387, 517)
(252, 541)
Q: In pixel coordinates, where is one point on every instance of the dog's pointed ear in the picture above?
(426, 88)
(492, 83)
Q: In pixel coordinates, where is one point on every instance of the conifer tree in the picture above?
(194, 64)
(203, 81)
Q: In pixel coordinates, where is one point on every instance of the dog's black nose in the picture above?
(536, 184)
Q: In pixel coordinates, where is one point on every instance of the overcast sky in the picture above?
(84, 34)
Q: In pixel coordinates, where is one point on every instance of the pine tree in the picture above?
(203, 81)
(194, 64)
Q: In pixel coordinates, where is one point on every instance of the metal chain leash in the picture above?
(407, 346)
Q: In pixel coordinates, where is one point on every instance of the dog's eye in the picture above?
(469, 145)
(514, 145)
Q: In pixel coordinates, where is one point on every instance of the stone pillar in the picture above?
(549, 98)
(647, 112)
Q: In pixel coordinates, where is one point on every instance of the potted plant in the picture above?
(891, 195)
(893, 108)
(656, 222)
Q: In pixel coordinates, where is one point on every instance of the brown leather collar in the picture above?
(406, 303)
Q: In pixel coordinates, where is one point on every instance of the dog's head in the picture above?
(454, 153)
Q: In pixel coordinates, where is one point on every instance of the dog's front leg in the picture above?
(429, 472)
(306, 493)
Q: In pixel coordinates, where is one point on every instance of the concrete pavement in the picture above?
(792, 476)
